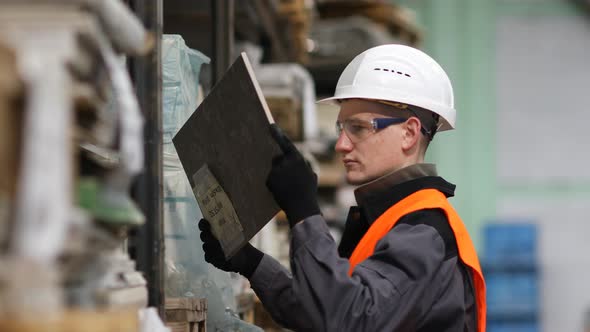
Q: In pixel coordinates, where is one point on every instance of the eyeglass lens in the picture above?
(355, 129)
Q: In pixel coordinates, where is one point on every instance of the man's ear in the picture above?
(411, 134)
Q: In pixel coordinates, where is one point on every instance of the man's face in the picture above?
(379, 153)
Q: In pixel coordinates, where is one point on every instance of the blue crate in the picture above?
(512, 296)
(510, 246)
(529, 326)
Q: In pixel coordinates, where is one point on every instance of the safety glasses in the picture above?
(358, 130)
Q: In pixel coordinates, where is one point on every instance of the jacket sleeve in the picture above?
(386, 291)
(273, 284)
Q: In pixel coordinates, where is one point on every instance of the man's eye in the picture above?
(356, 128)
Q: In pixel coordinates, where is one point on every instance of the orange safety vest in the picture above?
(420, 200)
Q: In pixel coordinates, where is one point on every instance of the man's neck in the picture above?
(409, 172)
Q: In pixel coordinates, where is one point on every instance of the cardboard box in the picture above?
(287, 114)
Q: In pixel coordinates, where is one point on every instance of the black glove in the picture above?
(244, 262)
(291, 181)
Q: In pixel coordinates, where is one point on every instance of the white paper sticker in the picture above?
(218, 210)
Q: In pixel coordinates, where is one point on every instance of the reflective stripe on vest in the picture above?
(421, 200)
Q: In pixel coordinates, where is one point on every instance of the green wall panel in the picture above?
(459, 35)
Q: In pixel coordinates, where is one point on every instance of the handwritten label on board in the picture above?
(218, 210)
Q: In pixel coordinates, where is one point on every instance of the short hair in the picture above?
(428, 119)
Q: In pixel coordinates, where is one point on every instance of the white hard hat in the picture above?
(400, 74)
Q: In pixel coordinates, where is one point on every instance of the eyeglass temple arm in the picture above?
(381, 123)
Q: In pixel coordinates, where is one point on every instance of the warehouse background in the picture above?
(519, 155)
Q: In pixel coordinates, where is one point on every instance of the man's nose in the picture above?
(343, 144)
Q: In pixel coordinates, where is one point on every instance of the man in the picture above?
(405, 261)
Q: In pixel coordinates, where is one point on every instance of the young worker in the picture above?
(405, 261)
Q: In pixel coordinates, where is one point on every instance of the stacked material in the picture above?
(340, 39)
(71, 144)
(346, 28)
(396, 20)
(186, 314)
(290, 93)
(297, 16)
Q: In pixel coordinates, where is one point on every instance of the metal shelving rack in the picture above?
(146, 244)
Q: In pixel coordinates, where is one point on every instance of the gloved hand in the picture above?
(292, 181)
(244, 262)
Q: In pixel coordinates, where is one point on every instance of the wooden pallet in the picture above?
(186, 314)
(74, 321)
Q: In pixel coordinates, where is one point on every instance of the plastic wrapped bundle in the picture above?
(181, 67)
(187, 273)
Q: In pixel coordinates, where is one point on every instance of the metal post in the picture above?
(146, 244)
(223, 36)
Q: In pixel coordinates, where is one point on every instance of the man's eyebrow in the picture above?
(353, 118)
(359, 117)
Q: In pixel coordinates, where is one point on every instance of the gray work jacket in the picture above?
(414, 281)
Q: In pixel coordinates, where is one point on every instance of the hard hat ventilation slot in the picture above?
(393, 71)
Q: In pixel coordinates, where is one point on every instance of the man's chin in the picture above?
(355, 179)
(358, 178)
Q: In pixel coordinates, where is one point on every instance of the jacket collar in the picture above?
(374, 198)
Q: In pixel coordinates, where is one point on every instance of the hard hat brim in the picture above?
(445, 122)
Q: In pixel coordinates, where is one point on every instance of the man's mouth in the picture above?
(349, 162)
